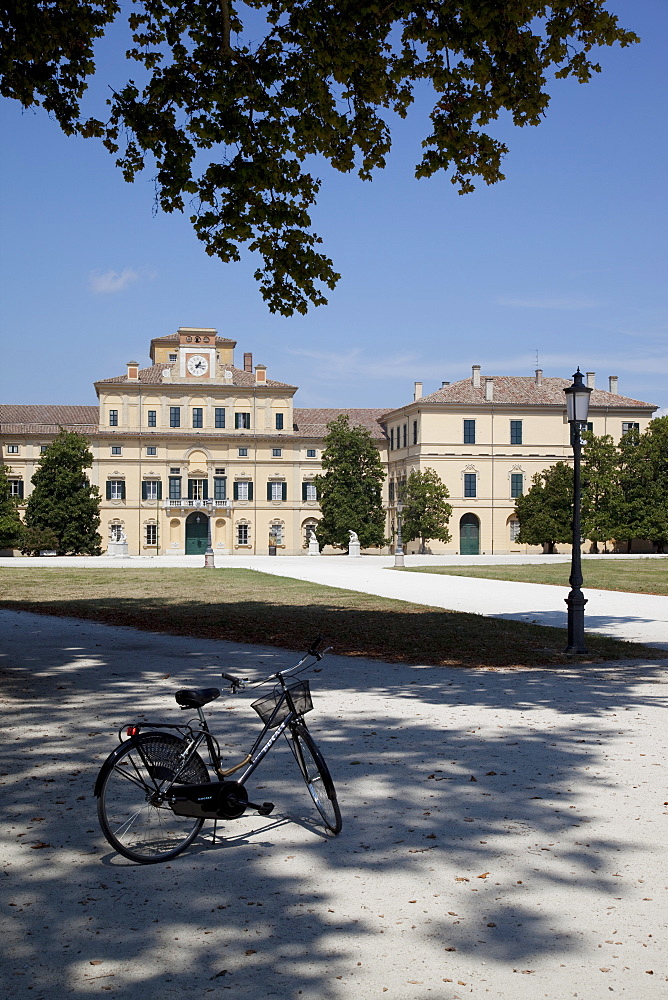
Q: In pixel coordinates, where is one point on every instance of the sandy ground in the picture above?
(503, 832)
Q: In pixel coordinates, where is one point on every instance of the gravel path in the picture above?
(502, 832)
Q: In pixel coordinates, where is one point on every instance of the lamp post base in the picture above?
(575, 603)
(209, 562)
(398, 559)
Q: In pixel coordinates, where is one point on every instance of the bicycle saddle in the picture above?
(196, 697)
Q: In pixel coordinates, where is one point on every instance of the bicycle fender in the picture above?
(115, 754)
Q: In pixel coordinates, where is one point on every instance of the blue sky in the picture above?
(566, 257)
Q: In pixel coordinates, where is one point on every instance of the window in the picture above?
(174, 472)
(219, 416)
(151, 534)
(12, 449)
(516, 484)
(392, 439)
(277, 491)
(220, 488)
(174, 487)
(152, 418)
(469, 432)
(309, 493)
(629, 425)
(243, 452)
(113, 418)
(276, 534)
(198, 416)
(242, 421)
(16, 488)
(310, 452)
(198, 489)
(415, 432)
(514, 526)
(243, 534)
(116, 530)
(151, 489)
(276, 452)
(590, 426)
(116, 449)
(43, 449)
(151, 451)
(405, 434)
(115, 489)
(243, 490)
(470, 484)
(175, 416)
(516, 432)
(391, 490)
(172, 357)
(279, 421)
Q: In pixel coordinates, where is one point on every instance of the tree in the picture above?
(545, 512)
(426, 513)
(349, 492)
(291, 81)
(602, 496)
(11, 528)
(63, 503)
(643, 476)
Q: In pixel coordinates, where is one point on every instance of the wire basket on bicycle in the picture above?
(274, 707)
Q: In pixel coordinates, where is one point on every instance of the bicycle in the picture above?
(154, 791)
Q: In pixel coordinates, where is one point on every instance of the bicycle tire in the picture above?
(316, 775)
(134, 819)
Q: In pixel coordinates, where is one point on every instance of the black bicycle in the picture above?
(155, 791)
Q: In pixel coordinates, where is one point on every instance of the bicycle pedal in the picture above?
(266, 808)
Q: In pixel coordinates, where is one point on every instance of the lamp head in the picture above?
(577, 400)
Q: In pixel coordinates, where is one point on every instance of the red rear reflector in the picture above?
(132, 730)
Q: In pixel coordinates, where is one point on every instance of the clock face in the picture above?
(198, 364)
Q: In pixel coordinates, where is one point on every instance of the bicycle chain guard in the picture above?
(211, 800)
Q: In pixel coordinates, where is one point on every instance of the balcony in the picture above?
(209, 505)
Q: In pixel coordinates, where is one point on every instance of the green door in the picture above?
(196, 533)
(469, 535)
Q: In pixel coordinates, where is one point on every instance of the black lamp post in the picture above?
(577, 410)
(399, 551)
(209, 561)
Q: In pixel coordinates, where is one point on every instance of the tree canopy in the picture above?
(349, 492)
(63, 509)
(11, 528)
(426, 511)
(545, 512)
(232, 103)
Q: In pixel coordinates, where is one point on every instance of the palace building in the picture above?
(193, 448)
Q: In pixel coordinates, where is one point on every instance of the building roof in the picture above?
(15, 419)
(313, 422)
(175, 337)
(153, 376)
(525, 391)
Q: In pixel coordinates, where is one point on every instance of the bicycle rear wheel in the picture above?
(317, 777)
(131, 808)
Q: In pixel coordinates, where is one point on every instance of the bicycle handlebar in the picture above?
(240, 682)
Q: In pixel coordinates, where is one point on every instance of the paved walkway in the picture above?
(501, 833)
(634, 617)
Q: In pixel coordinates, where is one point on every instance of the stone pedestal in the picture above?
(313, 546)
(354, 549)
(117, 549)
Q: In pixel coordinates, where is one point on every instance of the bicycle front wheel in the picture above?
(131, 806)
(317, 777)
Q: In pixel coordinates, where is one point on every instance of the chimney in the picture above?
(489, 390)
(591, 380)
(443, 384)
(248, 362)
(133, 371)
(475, 376)
(539, 376)
(417, 392)
(260, 374)
(612, 382)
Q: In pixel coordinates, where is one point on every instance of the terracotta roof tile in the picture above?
(18, 419)
(153, 376)
(517, 389)
(313, 422)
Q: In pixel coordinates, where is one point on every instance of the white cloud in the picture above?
(546, 303)
(102, 282)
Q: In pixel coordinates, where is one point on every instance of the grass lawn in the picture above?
(635, 576)
(245, 606)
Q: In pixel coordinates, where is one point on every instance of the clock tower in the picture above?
(197, 353)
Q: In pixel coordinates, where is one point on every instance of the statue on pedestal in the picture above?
(354, 544)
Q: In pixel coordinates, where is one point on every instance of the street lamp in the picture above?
(577, 410)
(399, 551)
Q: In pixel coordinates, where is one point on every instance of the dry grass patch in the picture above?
(636, 576)
(241, 605)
